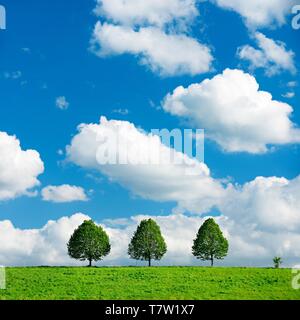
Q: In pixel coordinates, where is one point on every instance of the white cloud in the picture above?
(249, 246)
(269, 204)
(156, 32)
(289, 95)
(258, 13)
(19, 169)
(261, 218)
(62, 103)
(147, 12)
(271, 55)
(63, 193)
(183, 180)
(234, 112)
(121, 111)
(292, 84)
(166, 54)
(45, 246)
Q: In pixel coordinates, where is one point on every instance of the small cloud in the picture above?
(121, 222)
(13, 75)
(62, 103)
(60, 152)
(289, 95)
(64, 193)
(95, 178)
(154, 105)
(292, 84)
(123, 112)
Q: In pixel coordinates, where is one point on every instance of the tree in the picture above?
(147, 242)
(210, 243)
(89, 242)
(277, 262)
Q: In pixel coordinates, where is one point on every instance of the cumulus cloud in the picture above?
(261, 218)
(19, 168)
(167, 54)
(147, 12)
(62, 103)
(249, 246)
(156, 32)
(268, 203)
(272, 55)
(151, 170)
(63, 193)
(234, 112)
(257, 13)
(45, 246)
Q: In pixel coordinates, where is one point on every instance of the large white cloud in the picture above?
(63, 193)
(258, 13)
(261, 218)
(166, 54)
(174, 177)
(249, 246)
(234, 112)
(156, 32)
(19, 168)
(268, 203)
(271, 55)
(153, 12)
(45, 246)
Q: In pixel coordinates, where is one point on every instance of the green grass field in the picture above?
(129, 283)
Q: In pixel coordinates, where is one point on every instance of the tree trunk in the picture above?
(149, 262)
(212, 261)
(90, 262)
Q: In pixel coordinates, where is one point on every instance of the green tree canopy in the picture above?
(89, 242)
(277, 262)
(210, 243)
(147, 242)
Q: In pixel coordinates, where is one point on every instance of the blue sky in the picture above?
(44, 54)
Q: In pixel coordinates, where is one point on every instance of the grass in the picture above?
(130, 283)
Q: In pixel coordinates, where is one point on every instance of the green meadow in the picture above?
(130, 283)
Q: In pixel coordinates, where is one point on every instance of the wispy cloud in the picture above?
(14, 75)
(62, 103)
(121, 111)
(271, 55)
